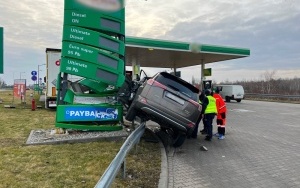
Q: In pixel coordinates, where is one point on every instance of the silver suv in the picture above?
(169, 101)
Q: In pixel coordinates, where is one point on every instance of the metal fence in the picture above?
(110, 173)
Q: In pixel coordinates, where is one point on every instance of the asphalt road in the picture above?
(261, 150)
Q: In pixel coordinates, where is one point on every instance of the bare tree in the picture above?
(269, 80)
(1, 83)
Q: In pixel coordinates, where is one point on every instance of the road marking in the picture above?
(241, 110)
(289, 125)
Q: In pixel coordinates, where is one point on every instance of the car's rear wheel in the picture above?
(238, 100)
(179, 139)
(227, 99)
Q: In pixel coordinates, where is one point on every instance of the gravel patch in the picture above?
(57, 136)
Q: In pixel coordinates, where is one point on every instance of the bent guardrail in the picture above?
(110, 173)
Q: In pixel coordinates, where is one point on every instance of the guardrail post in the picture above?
(110, 173)
(123, 167)
(136, 148)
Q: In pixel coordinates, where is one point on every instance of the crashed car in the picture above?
(169, 101)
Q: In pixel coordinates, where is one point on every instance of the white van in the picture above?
(231, 92)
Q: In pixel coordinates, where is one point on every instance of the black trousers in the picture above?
(221, 130)
(195, 131)
(208, 124)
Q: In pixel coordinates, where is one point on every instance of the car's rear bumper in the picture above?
(158, 115)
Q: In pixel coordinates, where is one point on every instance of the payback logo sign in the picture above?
(91, 113)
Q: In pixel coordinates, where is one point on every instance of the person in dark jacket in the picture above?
(195, 131)
(201, 98)
(209, 110)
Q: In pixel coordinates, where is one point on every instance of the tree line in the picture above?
(274, 86)
(268, 84)
(271, 85)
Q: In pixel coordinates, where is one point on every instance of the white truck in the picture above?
(231, 92)
(52, 69)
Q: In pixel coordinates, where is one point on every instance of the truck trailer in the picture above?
(52, 69)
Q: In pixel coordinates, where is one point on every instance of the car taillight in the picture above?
(190, 125)
(195, 103)
(143, 100)
(152, 82)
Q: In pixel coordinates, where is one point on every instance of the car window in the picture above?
(177, 84)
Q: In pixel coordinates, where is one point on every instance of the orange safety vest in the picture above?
(221, 106)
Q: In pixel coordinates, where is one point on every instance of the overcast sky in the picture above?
(269, 28)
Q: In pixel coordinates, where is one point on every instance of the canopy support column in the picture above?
(202, 70)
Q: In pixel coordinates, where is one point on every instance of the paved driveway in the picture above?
(261, 149)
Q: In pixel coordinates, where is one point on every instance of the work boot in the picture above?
(221, 137)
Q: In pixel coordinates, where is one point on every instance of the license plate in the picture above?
(175, 98)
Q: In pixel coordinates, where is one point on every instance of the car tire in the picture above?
(130, 115)
(227, 99)
(179, 140)
(238, 100)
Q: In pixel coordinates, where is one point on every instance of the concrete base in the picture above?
(51, 136)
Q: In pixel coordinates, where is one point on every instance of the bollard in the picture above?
(32, 104)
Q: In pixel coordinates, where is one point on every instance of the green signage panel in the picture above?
(1, 50)
(79, 98)
(92, 71)
(93, 47)
(112, 8)
(93, 38)
(207, 72)
(100, 22)
(93, 55)
(98, 87)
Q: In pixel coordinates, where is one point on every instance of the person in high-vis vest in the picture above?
(209, 108)
(195, 131)
(221, 117)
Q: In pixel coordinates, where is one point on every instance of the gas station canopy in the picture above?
(171, 54)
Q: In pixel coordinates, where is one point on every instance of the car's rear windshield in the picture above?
(178, 84)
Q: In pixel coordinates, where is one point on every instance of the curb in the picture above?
(164, 175)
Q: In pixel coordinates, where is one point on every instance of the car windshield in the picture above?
(178, 84)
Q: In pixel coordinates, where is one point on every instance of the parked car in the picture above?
(169, 101)
(231, 92)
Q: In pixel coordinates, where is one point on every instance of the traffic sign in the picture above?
(33, 78)
(33, 73)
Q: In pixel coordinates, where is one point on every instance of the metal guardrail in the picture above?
(110, 173)
(272, 96)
